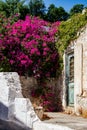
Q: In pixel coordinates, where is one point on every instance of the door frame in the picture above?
(68, 51)
(70, 83)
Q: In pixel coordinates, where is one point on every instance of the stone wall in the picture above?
(29, 83)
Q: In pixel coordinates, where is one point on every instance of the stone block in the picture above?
(24, 112)
(21, 109)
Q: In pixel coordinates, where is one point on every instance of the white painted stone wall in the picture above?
(13, 107)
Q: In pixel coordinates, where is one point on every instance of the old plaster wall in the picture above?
(80, 73)
(79, 47)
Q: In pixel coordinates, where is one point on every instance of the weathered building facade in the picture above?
(75, 74)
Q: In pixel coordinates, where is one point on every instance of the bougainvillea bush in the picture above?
(49, 97)
(28, 46)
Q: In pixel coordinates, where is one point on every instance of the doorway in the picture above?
(70, 79)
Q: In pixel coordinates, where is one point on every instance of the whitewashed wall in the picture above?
(80, 73)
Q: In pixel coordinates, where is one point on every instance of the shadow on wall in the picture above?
(6, 124)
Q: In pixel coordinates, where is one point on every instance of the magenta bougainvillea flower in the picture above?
(28, 46)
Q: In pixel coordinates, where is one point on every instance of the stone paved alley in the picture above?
(71, 121)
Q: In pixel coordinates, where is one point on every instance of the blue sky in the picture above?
(67, 4)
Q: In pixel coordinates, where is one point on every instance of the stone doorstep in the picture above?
(69, 110)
